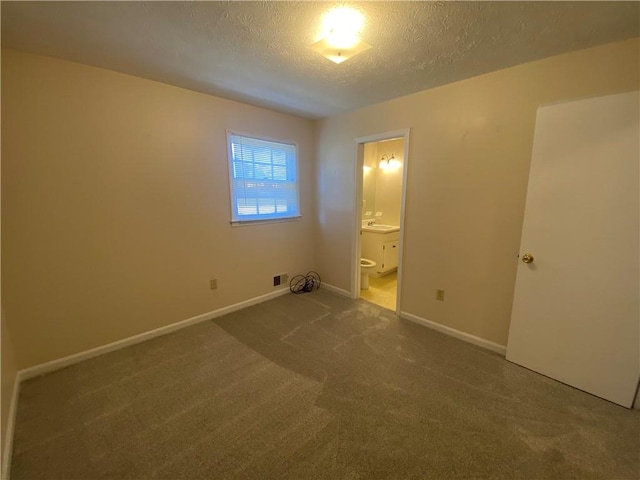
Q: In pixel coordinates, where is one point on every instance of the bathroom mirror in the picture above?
(382, 181)
(369, 172)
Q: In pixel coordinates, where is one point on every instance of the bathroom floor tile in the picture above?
(382, 290)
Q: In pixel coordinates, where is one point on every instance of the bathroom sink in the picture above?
(381, 228)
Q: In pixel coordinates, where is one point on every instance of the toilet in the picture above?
(366, 267)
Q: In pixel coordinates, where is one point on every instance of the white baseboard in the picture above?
(11, 421)
(339, 291)
(125, 342)
(467, 337)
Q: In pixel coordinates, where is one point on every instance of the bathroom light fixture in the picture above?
(387, 162)
(340, 35)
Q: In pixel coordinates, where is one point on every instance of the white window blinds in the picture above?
(264, 179)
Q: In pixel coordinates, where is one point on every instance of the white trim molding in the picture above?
(125, 342)
(338, 290)
(467, 337)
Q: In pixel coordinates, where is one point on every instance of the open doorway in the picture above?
(381, 179)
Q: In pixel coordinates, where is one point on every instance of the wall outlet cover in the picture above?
(280, 279)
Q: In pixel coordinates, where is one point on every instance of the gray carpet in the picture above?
(314, 386)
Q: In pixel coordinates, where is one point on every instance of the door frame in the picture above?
(357, 219)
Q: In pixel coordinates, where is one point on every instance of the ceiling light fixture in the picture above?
(340, 35)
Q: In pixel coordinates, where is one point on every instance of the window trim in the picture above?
(260, 221)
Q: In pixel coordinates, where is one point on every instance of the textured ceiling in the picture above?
(258, 52)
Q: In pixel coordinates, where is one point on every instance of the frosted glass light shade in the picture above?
(391, 164)
(326, 48)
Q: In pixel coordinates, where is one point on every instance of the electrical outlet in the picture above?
(440, 295)
(280, 279)
(213, 283)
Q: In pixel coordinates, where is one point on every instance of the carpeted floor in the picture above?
(314, 386)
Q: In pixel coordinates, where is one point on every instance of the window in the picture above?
(264, 179)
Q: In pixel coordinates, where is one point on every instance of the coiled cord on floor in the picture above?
(305, 283)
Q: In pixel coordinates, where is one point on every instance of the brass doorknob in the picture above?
(527, 258)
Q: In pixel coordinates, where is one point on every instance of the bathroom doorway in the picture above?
(380, 197)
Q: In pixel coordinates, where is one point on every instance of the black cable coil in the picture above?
(305, 283)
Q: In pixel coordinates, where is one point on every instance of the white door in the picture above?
(575, 313)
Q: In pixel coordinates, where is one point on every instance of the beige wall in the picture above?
(8, 383)
(469, 155)
(116, 212)
(115, 206)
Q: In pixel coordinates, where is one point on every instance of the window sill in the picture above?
(246, 223)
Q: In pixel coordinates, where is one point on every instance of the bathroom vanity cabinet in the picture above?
(382, 248)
